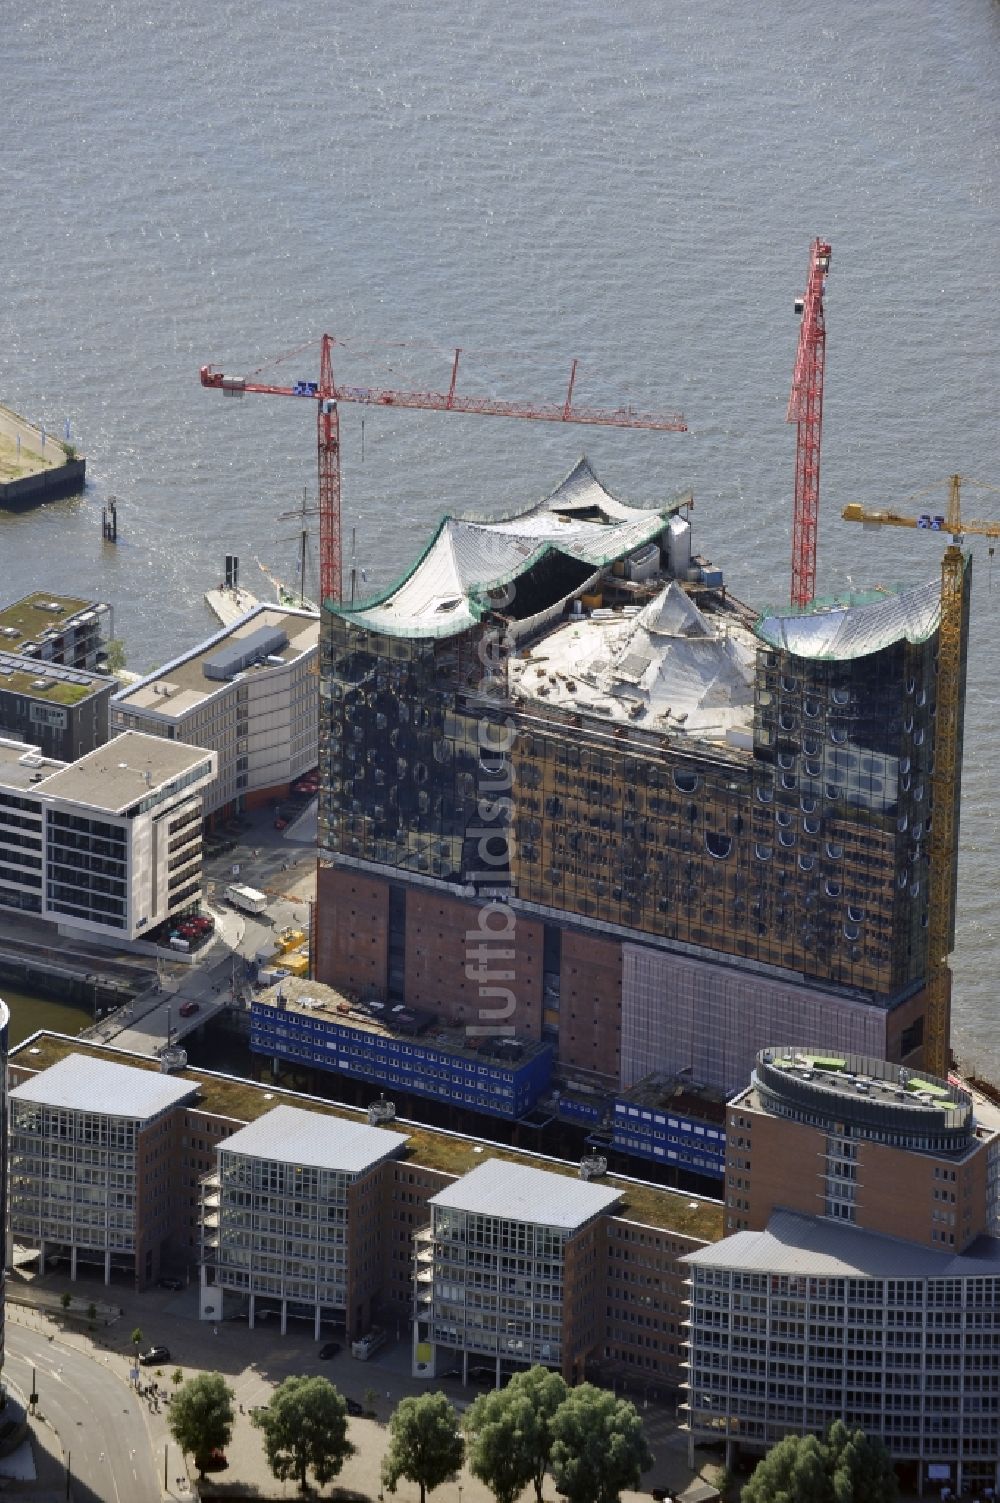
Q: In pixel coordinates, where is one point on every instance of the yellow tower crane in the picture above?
(947, 740)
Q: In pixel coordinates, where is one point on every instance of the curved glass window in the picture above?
(834, 791)
(918, 793)
(918, 736)
(763, 852)
(902, 879)
(782, 817)
(765, 795)
(918, 830)
(904, 783)
(911, 684)
(834, 850)
(789, 780)
(811, 745)
(838, 734)
(786, 759)
(786, 720)
(908, 724)
(811, 825)
(902, 822)
(806, 863)
(810, 707)
(789, 684)
(685, 782)
(813, 768)
(833, 889)
(807, 804)
(851, 931)
(855, 913)
(717, 844)
(914, 889)
(786, 838)
(765, 697)
(904, 764)
(840, 696)
(921, 696)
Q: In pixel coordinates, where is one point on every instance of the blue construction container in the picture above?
(670, 1138)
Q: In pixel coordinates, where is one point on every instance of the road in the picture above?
(97, 1417)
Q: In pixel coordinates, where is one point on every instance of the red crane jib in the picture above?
(327, 395)
(805, 407)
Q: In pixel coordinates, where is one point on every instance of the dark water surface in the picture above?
(636, 185)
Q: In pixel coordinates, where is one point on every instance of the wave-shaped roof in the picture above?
(843, 631)
(449, 586)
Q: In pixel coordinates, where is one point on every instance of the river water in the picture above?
(636, 185)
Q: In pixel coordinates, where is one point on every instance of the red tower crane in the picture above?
(327, 395)
(805, 407)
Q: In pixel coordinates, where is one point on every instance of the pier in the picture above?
(34, 465)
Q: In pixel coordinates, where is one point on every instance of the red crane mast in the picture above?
(328, 394)
(805, 407)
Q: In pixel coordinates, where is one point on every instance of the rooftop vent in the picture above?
(593, 1166)
(41, 683)
(381, 1111)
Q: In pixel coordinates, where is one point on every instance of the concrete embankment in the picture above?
(34, 466)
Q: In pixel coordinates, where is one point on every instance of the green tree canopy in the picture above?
(510, 1433)
(425, 1445)
(201, 1416)
(845, 1467)
(598, 1446)
(305, 1428)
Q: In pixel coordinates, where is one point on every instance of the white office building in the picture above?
(108, 846)
(292, 1219)
(249, 694)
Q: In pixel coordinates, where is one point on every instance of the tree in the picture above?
(65, 1299)
(136, 1340)
(424, 1444)
(845, 1467)
(305, 1428)
(115, 654)
(201, 1417)
(598, 1446)
(510, 1433)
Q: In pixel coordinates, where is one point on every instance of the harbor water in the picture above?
(634, 185)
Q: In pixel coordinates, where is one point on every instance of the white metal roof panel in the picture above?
(515, 1192)
(853, 631)
(81, 1083)
(291, 1135)
(796, 1244)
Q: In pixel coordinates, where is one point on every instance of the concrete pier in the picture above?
(34, 464)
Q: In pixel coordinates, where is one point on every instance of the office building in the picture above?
(703, 826)
(107, 846)
(4, 1043)
(91, 1153)
(58, 629)
(248, 694)
(813, 1320)
(61, 711)
(294, 1213)
(301, 1209)
(861, 1276)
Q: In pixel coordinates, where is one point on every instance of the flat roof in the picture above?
(22, 766)
(32, 616)
(799, 1244)
(291, 1135)
(52, 683)
(394, 1020)
(180, 686)
(84, 1083)
(675, 1212)
(116, 775)
(516, 1192)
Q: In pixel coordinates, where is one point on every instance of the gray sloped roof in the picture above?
(798, 1244)
(515, 1192)
(81, 1083)
(853, 631)
(291, 1135)
(448, 587)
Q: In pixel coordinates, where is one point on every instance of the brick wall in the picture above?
(437, 952)
(352, 917)
(590, 1004)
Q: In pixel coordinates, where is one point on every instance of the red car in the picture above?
(188, 1009)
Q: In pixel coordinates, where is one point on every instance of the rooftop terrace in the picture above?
(246, 1100)
(26, 620)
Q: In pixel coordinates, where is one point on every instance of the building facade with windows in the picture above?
(293, 1215)
(302, 1209)
(711, 823)
(92, 1144)
(856, 1139)
(58, 629)
(107, 845)
(248, 694)
(62, 711)
(814, 1320)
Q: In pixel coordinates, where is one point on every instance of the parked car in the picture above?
(215, 1460)
(188, 1009)
(329, 1349)
(154, 1356)
(171, 1283)
(354, 1408)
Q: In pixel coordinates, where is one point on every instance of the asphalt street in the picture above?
(98, 1418)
